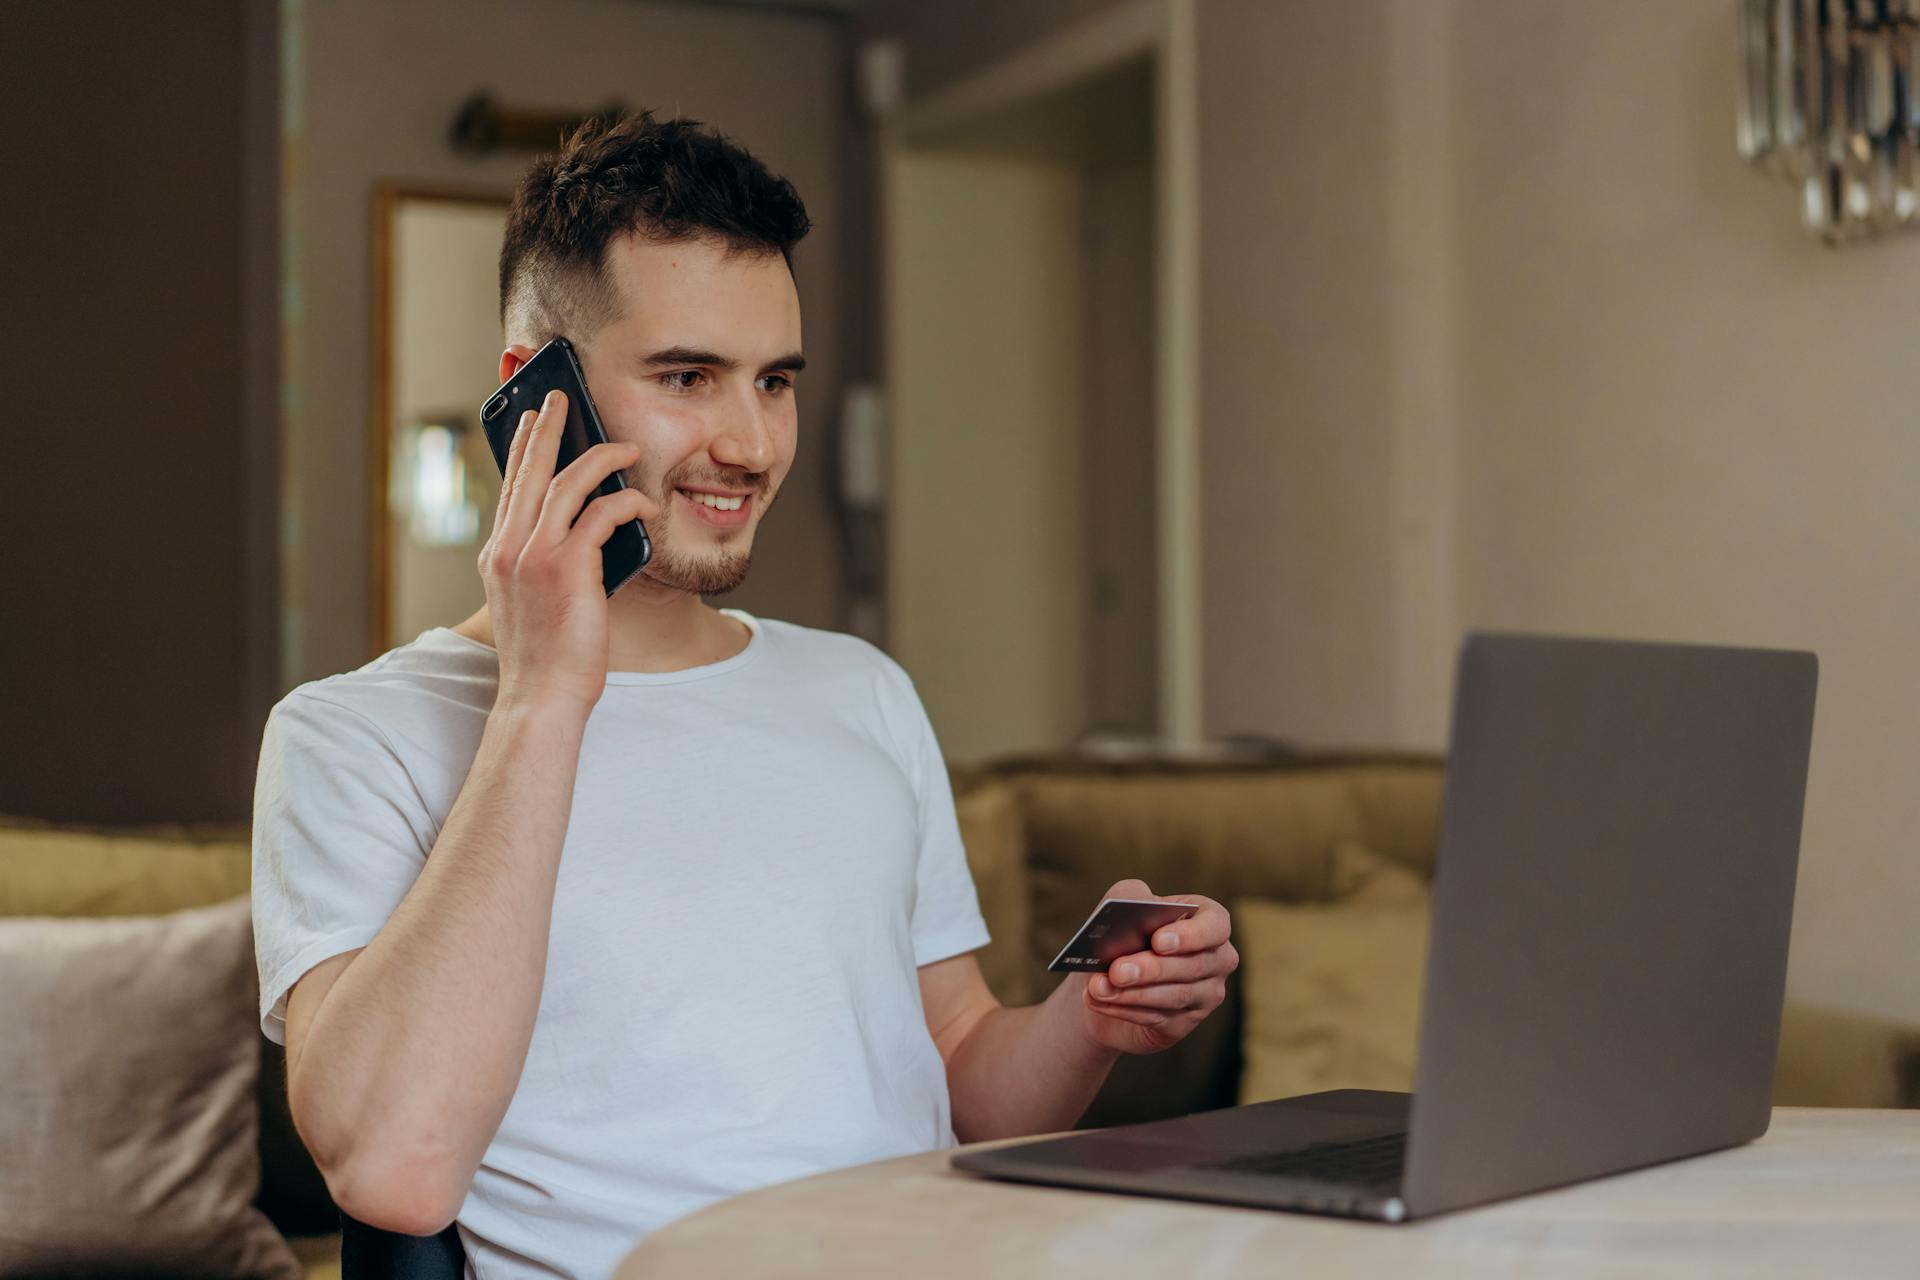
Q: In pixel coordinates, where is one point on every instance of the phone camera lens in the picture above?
(494, 406)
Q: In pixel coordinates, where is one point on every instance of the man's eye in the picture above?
(668, 378)
(780, 382)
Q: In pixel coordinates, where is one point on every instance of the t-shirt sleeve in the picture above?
(946, 908)
(339, 836)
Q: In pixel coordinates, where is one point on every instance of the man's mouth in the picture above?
(726, 510)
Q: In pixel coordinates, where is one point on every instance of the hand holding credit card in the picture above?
(1118, 927)
(1153, 967)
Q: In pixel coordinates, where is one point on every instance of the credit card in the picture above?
(1118, 927)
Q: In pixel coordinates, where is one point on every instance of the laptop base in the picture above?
(1187, 1158)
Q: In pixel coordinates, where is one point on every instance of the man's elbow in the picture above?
(410, 1201)
(395, 1187)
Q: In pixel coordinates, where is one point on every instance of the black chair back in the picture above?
(368, 1253)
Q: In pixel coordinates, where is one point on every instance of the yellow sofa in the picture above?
(1045, 837)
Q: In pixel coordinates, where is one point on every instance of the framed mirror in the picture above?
(435, 355)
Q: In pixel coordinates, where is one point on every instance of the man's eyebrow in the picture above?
(713, 359)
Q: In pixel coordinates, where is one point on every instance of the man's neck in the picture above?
(652, 629)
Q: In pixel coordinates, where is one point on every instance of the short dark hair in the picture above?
(666, 180)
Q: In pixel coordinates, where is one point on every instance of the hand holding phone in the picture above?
(556, 367)
(542, 563)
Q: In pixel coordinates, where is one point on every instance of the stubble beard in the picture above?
(709, 572)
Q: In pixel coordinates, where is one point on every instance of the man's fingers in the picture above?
(1131, 1012)
(1167, 996)
(516, 447)
(1206, 928)
(534, 472)
(596, 523)
(516, 450)
(1147, 968)
(1128, 1013)
(569, 491)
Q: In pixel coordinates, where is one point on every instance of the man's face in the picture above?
(699, 371)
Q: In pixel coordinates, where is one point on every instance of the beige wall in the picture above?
(1296, 298)
(371, 93)
(1117, 399)
(1523, 344)
(1681, 416)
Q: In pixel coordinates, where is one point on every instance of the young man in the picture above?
(585, 913)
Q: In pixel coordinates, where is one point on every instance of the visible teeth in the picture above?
(716, 502)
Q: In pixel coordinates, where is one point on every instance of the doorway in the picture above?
(1039, 500)
(435, 348)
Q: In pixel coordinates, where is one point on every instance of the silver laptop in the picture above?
(1608, 951)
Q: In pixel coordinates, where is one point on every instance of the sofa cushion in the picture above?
(78, 871)
(1332, 989)
(1399, 806)
(1838, 1058)
(49, 869)
(1226, 835)
(319, 1255)
(131, 1119)
(990, 827)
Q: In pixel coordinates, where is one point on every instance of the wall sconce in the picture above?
(1827, 100)
(483, 124)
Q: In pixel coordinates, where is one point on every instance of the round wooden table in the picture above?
(1823, 1193)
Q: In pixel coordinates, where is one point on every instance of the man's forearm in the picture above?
(1026, 1070)
(416, 1051)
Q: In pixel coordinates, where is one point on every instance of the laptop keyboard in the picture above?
(1368, 1162)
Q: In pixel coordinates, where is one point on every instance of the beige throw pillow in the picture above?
(129, 1056)
(1332, 989)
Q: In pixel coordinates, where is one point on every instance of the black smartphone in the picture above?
(556, 366)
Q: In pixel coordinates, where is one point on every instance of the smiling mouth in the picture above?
(726, 512)
(715, 501)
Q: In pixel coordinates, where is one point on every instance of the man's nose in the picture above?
(746, 438)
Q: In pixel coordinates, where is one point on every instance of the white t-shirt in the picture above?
(761, 852)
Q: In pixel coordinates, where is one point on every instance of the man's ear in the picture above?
(512, 358)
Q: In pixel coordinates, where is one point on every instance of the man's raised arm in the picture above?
(402, 1059)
